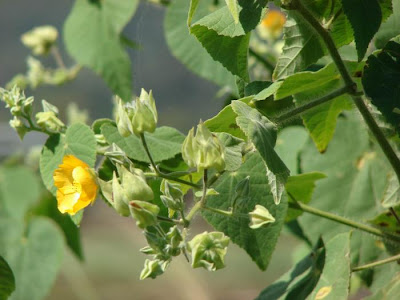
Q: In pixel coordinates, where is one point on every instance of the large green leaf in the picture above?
(233, 150)
(381, 81)
(7, 280)
(390, 291)
(164, 143)
(300, 280)
(48, 207)
(302, 47)
(19, 191)
(365, 18)
(258, 243)
(92, 37)
(262, 133)
(187, 49)
(390, 28)
(34, 256)
(79, 141)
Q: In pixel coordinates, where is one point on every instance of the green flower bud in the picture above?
(36, 72)
(124, 123)
(203, 150)
(40, 39)
(144, 212)
(19, 126)
(135, 185)
(260, 216)
(118, 200)
(174, 238)
(18, 80)
(144, 118)
(49, 107)
(76, 115)
(156, 243)
(209, 250)
(14, 99)
(49, 121)
(173, 196)
(153, 268)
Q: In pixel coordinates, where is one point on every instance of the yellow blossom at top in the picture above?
(76, 185)
(273, 23)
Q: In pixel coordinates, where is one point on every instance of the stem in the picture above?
(57, 57)
(342, 220)
(201, 203)
(270, 67)
(395, 214)
(146, 148)
(168, 220)
(377, 263)
(303, 108)
(219, 211)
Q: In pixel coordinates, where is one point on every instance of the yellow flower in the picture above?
(76, 185)
(273, 23)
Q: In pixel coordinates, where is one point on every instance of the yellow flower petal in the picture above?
(76, 185)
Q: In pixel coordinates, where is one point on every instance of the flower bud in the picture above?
(144, 118)
(153, 268)
(19, 126)
(18, 80)
(124, 124)
(144, 212)
(203, 150)
(209, 250)
(260, 216)
(119, 198)
(174, 239)
(36, 72)
(157, 244)
(49, 121)
(173, 196)
(40, 39)
(135, 185)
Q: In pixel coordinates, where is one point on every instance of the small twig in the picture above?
(377, 263)
(57, 57)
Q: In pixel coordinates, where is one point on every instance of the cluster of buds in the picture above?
(172, 196)
(20, 107)
(40, 39)
(48, 119)
(138, 116)
(203, 150)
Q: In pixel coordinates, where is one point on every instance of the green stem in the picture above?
(270, 67)
(168, 220)
(377, 263)
(201, 203)
(146, 148)
(342, 220)
(303, 108)
(57, 57)
(219, 211)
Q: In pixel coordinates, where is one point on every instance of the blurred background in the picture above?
(111, 243)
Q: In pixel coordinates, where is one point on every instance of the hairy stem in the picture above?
(303, 108)
(201, 203)
(345, 221)
(377, 263)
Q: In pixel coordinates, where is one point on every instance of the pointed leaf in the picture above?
(192, 11)
(7, 280)
(233, 9)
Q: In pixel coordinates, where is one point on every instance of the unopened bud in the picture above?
(40, 39)
(145, 213)
(153, 268)
(36, 72)
(19, 126)
(260, 216)
(203, 150)
(49, 121)
(145, 116)
(123, 121)
(135, 185)
(119, 199)
(209, 250)
(174, 239)
(173, 196)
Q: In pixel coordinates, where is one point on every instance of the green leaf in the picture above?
(35, 258)
(334, 283)
(7, 281)
(225, 121)
(262, 133)
(301, 187)
(259, 243)
(233, 150)
(302, 47)
(231, 52)
(288, 145)
(356, 177)
(48, 208)
(192, 11)
(365, 18)
(390, 291)
(164, 143)
(381, 81)
(387, 221)
(390, 28)
(19, 191)
(92, 37)
(233, 9)
(187, 49)
(79, 141)
(300, 280)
